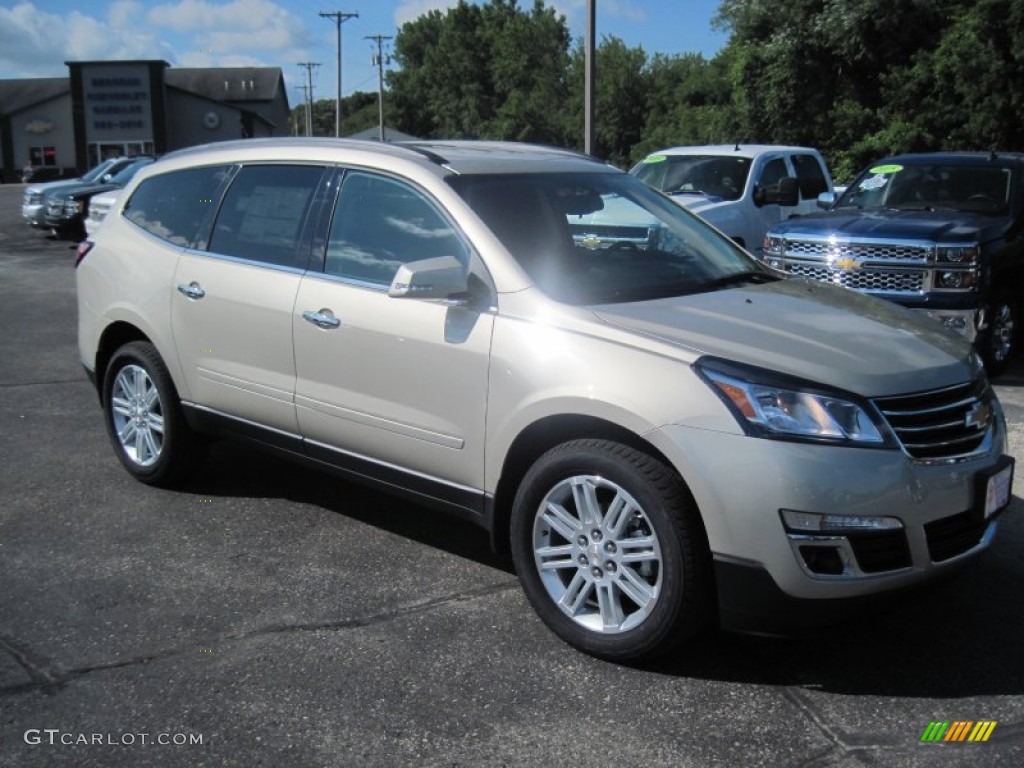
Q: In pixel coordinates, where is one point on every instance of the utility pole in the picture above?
(309, 66)
(589, 79)
(340, 17)
(380, 78)
(305, 109)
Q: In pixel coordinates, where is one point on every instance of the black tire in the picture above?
(998, 345)
(144, 419)
(647, 558)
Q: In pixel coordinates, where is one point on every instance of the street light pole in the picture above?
(340, 17)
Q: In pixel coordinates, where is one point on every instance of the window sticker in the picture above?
(886, 169)
(875, 182)
(655, 159)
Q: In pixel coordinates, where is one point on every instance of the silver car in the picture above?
(33, 206)
(665, 434)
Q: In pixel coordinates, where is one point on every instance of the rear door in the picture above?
(232, 312)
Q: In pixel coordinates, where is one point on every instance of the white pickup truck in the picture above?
(742, 189)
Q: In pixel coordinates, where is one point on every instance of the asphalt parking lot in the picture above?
(268, 615)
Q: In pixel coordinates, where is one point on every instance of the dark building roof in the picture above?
(16, 95)
(229, 83)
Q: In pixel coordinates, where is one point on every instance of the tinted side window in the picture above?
(381, 224)
(773, 171)
(809, 176)
(263, 213)
(172, 206)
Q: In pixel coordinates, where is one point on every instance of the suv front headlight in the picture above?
(766, 406)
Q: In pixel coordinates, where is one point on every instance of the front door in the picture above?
(387, 383)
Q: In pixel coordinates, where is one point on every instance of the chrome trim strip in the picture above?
(240, 420)
(395, 467)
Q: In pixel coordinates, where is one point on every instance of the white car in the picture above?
(99, 207)
(743, 190)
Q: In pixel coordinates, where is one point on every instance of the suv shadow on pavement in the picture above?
(954, 638)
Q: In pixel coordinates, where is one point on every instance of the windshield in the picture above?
(123, 176)
(710, 175)
(981, 188)
(98, 171)
(593, 238)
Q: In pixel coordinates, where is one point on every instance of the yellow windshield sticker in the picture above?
(886, 169)
(655, 159)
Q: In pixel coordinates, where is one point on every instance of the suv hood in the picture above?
(895, 224)
(814, 331)
(84, 189)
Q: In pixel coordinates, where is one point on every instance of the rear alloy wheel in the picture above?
(144, 418)
(610, 550)
(1000, 340)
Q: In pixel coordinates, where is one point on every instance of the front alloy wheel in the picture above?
(597, 554)
(611, 551)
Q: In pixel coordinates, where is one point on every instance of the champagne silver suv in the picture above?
(664, 433)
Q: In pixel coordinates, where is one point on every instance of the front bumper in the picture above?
(741, 484)
(967, 322)
(34, 215)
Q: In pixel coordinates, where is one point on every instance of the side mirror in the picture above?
(106, 177)
(437, 278)
(786, 192)
(827, 199)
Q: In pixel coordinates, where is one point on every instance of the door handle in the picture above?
(323, 319)
(192, 290)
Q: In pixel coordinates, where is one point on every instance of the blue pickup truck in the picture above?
(938, 232)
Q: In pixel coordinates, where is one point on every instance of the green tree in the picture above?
(968, 91)
(814, 71)
(482, 71)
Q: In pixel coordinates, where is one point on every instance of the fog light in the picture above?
(810, 522)
(823, 560)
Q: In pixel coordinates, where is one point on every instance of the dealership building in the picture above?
(110, 108)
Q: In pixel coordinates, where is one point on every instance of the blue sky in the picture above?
(38, 36)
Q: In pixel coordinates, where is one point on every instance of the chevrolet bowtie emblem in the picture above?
(979, 416)
(847, 264)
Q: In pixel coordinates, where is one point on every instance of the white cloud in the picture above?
(34, 43)
(237, 15)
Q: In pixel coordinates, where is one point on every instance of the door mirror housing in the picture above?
(826, 200)
(442, 277)
(786, 192)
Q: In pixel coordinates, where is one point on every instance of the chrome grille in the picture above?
(864, 279)
(941, 424)
(824, 250)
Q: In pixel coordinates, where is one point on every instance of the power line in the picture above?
(340, 17)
